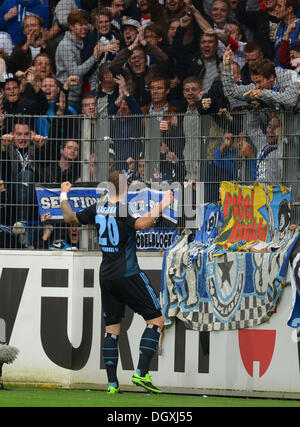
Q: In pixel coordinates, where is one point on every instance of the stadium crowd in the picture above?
(173, 60)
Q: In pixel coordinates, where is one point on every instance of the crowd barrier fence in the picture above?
(194, 151)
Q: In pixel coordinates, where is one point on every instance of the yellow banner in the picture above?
(243, 221)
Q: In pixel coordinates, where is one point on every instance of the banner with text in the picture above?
(252, 213)
(83, 195)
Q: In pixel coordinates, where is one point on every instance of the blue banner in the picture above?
(144, 200)
(79, 199)
(82, 196)
(155, 239)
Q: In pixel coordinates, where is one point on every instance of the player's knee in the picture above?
(158, 321)
(113, 329)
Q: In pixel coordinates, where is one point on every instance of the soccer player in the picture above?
(121, 280)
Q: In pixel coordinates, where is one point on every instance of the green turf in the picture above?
(36, 397)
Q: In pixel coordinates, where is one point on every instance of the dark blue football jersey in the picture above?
(116, 238)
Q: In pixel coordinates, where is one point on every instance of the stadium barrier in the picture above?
(262, 145)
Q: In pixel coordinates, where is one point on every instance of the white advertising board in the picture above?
(50, 309)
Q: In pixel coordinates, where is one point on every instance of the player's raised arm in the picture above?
(149, 218)
(69, 216)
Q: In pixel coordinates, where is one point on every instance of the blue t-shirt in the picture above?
(226, 163)
(24, 8)
(279, 36)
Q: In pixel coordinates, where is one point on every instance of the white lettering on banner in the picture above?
(75, 200)
(153, 203)
(79, 202)
(45, 202)
(50, 202)
(85, 201)
(137, 205)
(153, 240)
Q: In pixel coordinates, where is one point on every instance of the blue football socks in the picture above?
(111, 357)
(148, 347)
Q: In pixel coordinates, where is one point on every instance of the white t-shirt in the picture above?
(6, 42)
(35, 51)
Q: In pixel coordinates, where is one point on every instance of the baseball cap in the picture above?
(132, 22)
(7, 77)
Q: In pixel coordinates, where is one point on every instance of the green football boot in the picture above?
(145, 382)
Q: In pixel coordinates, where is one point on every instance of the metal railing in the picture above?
(186, 148)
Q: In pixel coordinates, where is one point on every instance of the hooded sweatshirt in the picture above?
(68, 63)
(62, 11)
(25, 7)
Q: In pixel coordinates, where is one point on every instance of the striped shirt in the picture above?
(192, 149)
(211, 72)
(269, 164)
(284, 93)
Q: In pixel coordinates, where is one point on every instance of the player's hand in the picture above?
(65, 187)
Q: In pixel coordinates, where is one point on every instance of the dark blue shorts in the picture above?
(135, 291)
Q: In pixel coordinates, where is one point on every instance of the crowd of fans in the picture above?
(172, 60)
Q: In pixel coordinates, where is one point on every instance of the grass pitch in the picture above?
(39, 397)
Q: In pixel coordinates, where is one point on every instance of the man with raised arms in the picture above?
(121, 280)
